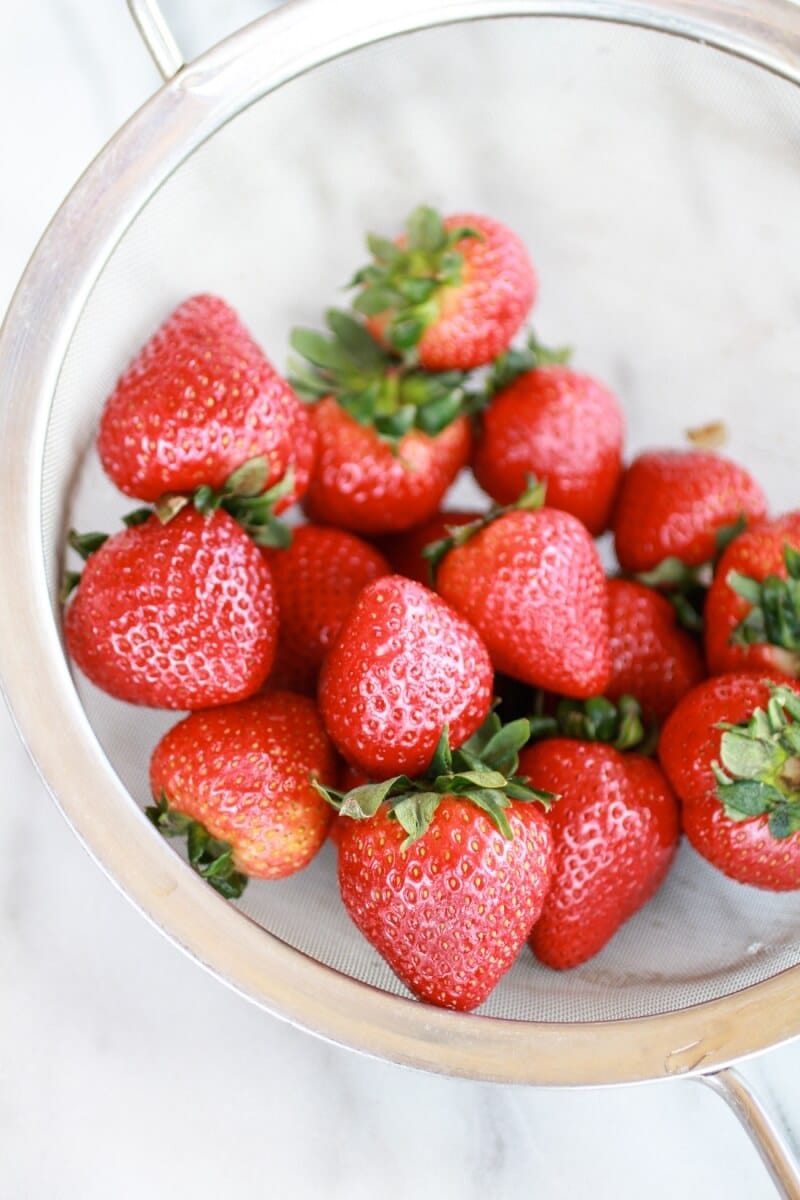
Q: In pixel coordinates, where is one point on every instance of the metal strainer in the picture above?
(668, 258)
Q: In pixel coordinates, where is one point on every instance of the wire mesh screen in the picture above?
(656, 185)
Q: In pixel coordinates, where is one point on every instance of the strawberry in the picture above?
(363, 485)
(560, 426)
(405, 550)
(392, 438)
(237, 783)
(404, 666)
(676, 504)
(451, 292)
(197, 402)
(731, 749)
(176, 615)
(317, 579)
(615, 830)
(652, 658)
(531, 582)
(445, 875)
(752, 615)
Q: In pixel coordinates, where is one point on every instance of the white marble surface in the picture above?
(125, 1070)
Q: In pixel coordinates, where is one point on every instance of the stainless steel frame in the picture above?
(194, 102)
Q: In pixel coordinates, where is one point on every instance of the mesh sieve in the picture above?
(628, 162)
(655, 182)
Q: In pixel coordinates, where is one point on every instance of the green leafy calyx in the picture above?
(481, 772)
(458, 535)
(371, 385)
(686, 587)
(520, 360)
(210, 857)
(405, 279)
(243, 497)
(759, 769)
(774, 616)
(597, 720)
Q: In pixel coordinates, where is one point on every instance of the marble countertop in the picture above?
(125, 1069)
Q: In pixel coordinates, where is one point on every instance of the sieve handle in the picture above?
(775, 1152)
(157, 36)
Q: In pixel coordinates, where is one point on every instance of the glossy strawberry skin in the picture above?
(564, 428)
(615, 830)
(478, 319)
(317, 580)
(673, 503)
(450, 913)
(404, 550)
(243, 771)
(690, 744)
(745, 851)
(533, 586)
(757, 553)
(198, 401)
(652, 658)
(361, 485)
(404, 666)
(177, 616)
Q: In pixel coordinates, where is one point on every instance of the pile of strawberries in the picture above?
(465, 702)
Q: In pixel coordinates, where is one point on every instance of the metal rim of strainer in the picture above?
(45, 311)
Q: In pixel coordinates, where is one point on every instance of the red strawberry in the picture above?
(180, 615)
(404, 550)
(361, 483)
(561, 427)
(615, 831)
(741, 786)
(446, 874)
(392, 438)
(317, 579)
(677, 503)
(197, 402)
(403, 667)
(744, 850)
(237, 781)
(652, 658)
(532, 584)
(752, 614)
(453, 291)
